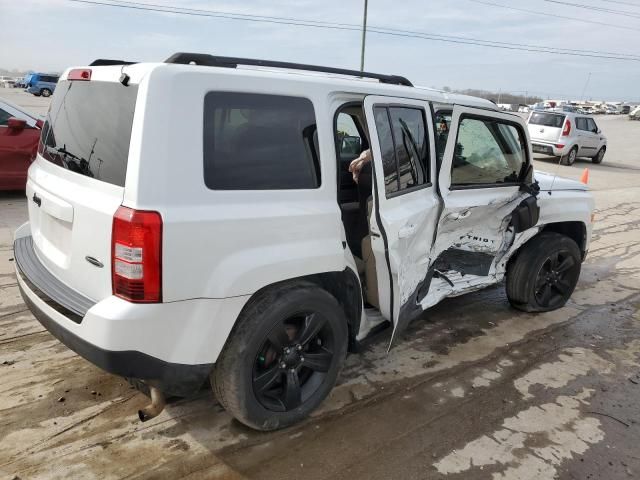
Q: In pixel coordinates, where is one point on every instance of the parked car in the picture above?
(566, 135)
(635, 114)
(19, 135)
(611, 110)
(243, 252)
(41, 84)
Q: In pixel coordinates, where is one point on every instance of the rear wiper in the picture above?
(78, 164)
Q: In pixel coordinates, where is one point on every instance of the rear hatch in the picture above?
(546, 126)
(77, 181)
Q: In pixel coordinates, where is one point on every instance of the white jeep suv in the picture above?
(195, 219)
(566, 135)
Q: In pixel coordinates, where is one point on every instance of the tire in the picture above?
(265, 379)
(599, 156)
(570, 158)
(544, 273)
(45, 92)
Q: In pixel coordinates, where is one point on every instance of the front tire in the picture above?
(599, 156)
(544, 274)
(283, 356)
(570, 158)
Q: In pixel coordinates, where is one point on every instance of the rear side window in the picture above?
(259, 142)
(88, 129)
(403, 142)
(581, 123)
(547, 119)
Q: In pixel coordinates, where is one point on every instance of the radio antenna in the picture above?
(559, 161)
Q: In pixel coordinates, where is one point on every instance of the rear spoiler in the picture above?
(101, 62)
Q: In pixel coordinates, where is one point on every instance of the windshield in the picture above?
(88, 129)
(547, 119)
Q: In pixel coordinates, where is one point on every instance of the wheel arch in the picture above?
(575, 230)
(343, 285)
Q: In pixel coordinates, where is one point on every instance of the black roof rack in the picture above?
(100, 62)
(232, 62)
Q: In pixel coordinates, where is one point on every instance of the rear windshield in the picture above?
(547, 119)
(88, 129)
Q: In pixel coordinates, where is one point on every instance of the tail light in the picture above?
(567, 128)
(79, 74)
(136, 255)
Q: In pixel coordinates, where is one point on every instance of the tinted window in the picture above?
(4, 117)
(591, 125)
(581, 123)
(487, 152)
(259, 142)
(442, 122)
(88, 129)
(389, 167)
(410, 140)
(547, 119)
(403, 141)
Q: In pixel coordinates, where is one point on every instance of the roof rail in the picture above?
(105, 61)
(232, 62)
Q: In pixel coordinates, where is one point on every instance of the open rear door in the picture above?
(406, 206)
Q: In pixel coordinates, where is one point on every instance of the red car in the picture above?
(19, 135)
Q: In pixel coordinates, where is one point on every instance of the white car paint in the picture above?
(221, 247)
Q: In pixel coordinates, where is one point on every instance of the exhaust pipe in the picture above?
(155, 407)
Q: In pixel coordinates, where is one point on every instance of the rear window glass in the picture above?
(259, 142)
(547, 119)
(88, 129)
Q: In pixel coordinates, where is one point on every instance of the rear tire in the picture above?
(45, 92)
(599, 156)
(283, 357)
(570, 158)
(544, 274)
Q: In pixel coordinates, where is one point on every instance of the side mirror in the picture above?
(16, 124)
(598, 130)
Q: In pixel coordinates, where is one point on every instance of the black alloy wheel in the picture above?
(543, 273)
(293, 361)
(283, 356)
(556, 279)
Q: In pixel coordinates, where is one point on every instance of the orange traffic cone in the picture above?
(584, 178)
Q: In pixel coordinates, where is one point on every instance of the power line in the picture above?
(553, 15)
(596, 9)
(637, 5)
(353, 27)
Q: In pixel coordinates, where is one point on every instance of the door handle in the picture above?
(407, 231)
(460, 215)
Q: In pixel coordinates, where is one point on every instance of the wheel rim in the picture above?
(572, 156)
(293, 361)
(600, 155)
(556, 279)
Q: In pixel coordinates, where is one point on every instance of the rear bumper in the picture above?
(73, 319)
(547, 148)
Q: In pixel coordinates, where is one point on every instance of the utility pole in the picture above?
(364, 35)
(585, 86)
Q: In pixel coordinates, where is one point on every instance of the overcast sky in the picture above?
(54, 34)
